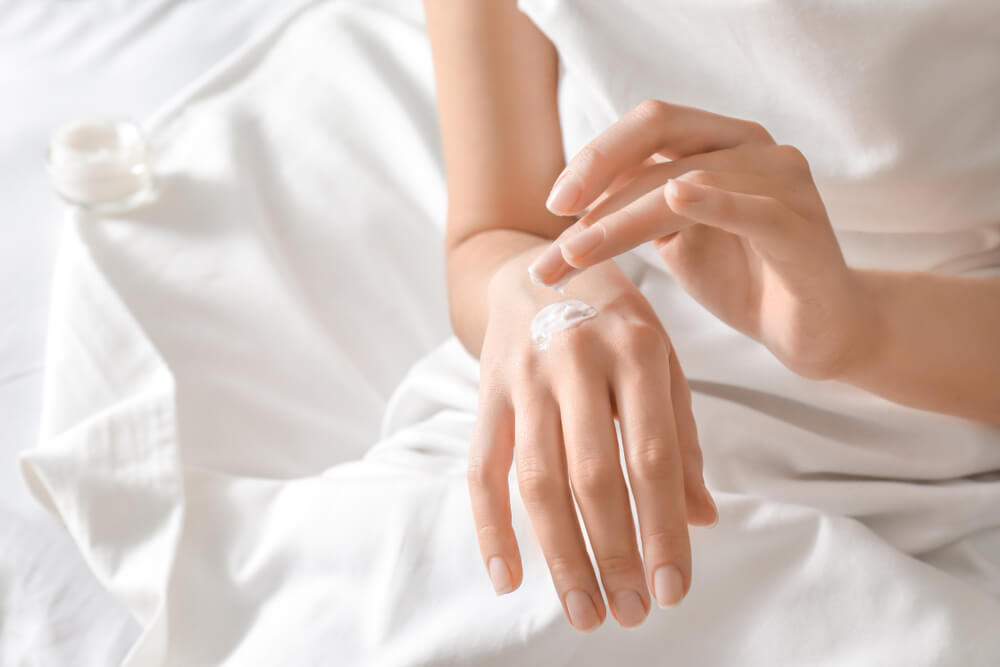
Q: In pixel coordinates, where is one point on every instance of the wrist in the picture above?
(473, 264)
(512, 271)
(868, 332)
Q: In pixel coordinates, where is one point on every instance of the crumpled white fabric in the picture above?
(228, 441)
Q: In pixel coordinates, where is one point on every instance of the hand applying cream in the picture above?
(551, 270)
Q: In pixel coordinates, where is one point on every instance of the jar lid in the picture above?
(101, 163)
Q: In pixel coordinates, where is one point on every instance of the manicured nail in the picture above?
(500, 575)
(565, 193)
(542, 270)
(560, 283)
(685, 190)
(628, 608)
(583, 243)
(582, 612)
(668, 585)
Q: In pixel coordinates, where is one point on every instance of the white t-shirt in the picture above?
(895, 103)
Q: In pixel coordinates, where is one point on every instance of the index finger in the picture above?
(653, 127)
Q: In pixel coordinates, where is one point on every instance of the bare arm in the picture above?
(553, 412)
(938, 346)
(741, 225)
(496, 77)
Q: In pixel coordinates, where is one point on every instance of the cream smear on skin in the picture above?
(558, 316)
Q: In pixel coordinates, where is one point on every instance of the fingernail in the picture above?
(500, 575)
(628, 608)
(583, 243)
(668, 586)
(542, 270)
(582, 612)
(565, 193)
(685, 190)
(560, 284)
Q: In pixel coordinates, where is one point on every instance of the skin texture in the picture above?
(741, 225)
(739, 222)
(551, 413)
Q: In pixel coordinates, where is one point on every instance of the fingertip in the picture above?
(500, 575)
(715, 508)
(548, 266)
(516, 569)
(669, 586)
(576, 263)
(702, 510)
(564, 199)
(701, 516)
(583, 610)
(682, 192)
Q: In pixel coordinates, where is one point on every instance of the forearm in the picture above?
(495, 77)
(936, 345)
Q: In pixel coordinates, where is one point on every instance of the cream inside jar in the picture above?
(101, 164)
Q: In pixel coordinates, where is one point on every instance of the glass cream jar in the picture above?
(101, 165)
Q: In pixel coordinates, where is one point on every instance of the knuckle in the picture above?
(492, 384)
(573, 229)
(724, 205)
(478, 473)
(612, 564)
(566, 570)
(640, 340)
(652, 459)
(653, 111)
(491, 377)
(773, 207)
(757, 132)
(672, 540)
(774, 213)
(691, 451)
(577, 343)
(588, 156)
(523, 366)
(490, 534)
(536, 490)
(526, 358)
(699, 176)
(593, 476)
(791, 157)
(537, 485)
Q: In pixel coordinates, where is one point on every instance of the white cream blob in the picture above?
(556, 317)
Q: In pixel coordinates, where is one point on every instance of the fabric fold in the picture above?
(257, 420)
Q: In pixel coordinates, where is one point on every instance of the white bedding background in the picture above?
(227, 440)
(60, 61)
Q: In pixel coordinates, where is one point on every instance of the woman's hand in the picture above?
(553, 412)
(737, 219)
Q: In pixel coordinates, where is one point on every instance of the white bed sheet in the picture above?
(58, 61)
(205, 380)
(353, 599)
